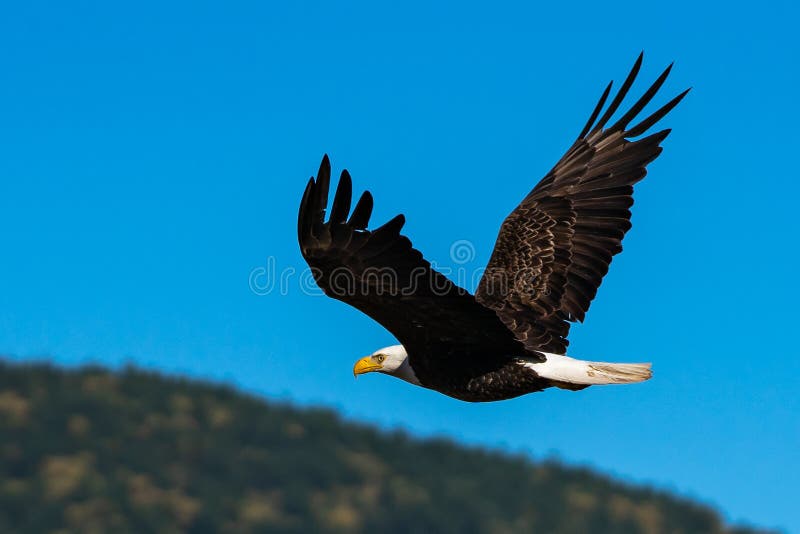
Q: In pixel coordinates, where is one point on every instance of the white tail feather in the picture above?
(565, 369)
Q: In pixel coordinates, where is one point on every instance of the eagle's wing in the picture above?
(381, 274)
(553, 250)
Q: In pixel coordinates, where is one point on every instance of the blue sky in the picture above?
(153, 157)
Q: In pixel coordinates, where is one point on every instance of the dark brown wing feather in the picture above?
(381, 274)
(555, 247)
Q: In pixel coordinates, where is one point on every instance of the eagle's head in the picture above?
(389, 360)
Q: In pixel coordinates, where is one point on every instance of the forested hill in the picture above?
(93, 451)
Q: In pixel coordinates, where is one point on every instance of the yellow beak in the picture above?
(365, 365)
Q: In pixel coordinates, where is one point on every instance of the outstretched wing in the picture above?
(555, 247)
(381, 274)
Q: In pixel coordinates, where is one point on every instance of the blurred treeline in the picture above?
(93, 451)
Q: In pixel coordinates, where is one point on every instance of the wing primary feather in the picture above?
(303, 220)
(642, 102)
(596, 111)
(362, 212)
(623, 90)
(342, 199)
(645, 125)
(321, 188)
(392, 227)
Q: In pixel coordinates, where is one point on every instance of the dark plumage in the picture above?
(551, 254)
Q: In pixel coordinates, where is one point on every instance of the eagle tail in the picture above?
(620, 373)
(565, 370)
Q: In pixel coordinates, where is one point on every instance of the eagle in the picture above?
(509, 338)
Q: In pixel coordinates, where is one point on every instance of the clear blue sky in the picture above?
(151, 157)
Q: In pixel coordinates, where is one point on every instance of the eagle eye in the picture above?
(379, 358)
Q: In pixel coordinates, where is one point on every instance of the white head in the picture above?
(389, 360)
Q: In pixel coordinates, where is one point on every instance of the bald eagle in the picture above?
(552, 251)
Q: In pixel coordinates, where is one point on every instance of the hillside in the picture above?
(93, 451)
